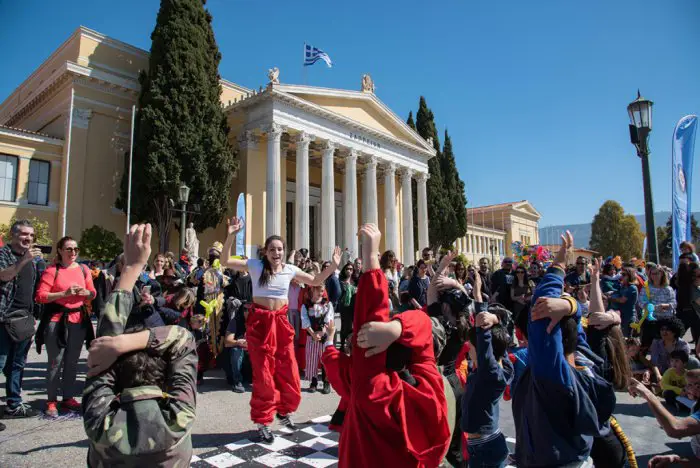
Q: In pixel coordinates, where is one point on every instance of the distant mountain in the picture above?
(582, 232)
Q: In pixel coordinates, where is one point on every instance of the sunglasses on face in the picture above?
(72, 249)
(580, 264)
(520, 272)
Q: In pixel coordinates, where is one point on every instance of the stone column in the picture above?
(423, 240)
(370, 192)
(350, 205)
(301, 208)
(273, 205)
(392, 233)
(327, 202)
(409, 254)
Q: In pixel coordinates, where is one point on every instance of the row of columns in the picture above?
(369, 198)
(473, 243)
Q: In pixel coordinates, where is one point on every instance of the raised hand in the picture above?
(370, 237)
(446, 260)
(137, 246)
(553, 308)
(596, 267)
(377, 336)
(567, 243)
(337, 254)
(234, 225)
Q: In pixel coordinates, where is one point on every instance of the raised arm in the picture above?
(545, 348)
(234, 225)
(318, 280)
(137, 249)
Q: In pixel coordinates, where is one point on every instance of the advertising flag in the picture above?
(682, 181)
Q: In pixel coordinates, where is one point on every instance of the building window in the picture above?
(290, 225)
(38, 182)
(8, 178)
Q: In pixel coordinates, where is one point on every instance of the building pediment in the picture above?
(362, 107)
(527, 208)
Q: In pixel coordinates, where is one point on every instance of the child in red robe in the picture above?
(389, 421)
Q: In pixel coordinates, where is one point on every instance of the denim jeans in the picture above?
(237, 364)
(492, 454)
(12, 359)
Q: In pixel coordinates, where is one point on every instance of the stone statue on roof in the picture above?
(367, 84)
(273, 74)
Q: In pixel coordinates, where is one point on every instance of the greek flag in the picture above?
(313, 55)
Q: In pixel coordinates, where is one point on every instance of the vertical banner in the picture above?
(682, 181)
(240, 213)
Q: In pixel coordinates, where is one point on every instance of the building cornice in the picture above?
(29, 136)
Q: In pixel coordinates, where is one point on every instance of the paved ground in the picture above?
(223, 415)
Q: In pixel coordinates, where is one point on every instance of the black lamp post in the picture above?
(183, 196)
(639, 112)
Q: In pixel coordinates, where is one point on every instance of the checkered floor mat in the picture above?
(311, 445)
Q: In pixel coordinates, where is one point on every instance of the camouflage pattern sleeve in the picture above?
(98, 396)
(116, 312)
(178, 347)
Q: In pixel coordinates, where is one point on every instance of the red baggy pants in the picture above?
(276, 383)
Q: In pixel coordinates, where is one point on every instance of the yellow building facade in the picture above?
(492, 229)
(310, 157)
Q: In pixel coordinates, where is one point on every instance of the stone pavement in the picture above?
(223, 415)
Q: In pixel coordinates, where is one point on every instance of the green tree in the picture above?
(410, 121)
(439, 212)
(181, 130)
(615, 233)
(98, 243)
(41, 230)
(664, 236)
(454, 190)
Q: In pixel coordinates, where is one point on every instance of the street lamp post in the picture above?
(492, 247)
(183, 198)
(639, 112)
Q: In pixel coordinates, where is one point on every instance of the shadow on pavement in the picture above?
(80, 444)
(217, 440)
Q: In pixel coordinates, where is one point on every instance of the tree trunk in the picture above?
(163, 223)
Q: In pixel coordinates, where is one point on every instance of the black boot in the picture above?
(326, 388)
(314, 384)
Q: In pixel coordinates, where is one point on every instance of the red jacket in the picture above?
(389, 423)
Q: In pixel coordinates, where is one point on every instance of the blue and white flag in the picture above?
(313, 55)
(682, 178)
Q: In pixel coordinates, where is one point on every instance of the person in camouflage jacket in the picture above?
(150, 423)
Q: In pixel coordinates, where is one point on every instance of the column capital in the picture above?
(274, 131)
(406, 175)
(371, 161)
(329, 146)
(303, 139)
(247, 140)
(351, 155)
(422, 176)
(390, 168)
(81, 117)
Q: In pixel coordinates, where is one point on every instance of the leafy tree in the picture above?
(181, 130)
(410, 121)
(664, 236)
(41, 230)
(98, 243)
(615, 233)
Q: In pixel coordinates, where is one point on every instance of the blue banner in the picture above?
(240, 237)
(682, 178)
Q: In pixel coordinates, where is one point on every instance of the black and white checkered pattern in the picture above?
(312, 445)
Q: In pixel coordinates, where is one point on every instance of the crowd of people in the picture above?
(422, 357)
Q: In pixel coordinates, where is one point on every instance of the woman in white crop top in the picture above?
(268, 331)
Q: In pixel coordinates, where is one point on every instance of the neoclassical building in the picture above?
(491, 230)
(314, 162)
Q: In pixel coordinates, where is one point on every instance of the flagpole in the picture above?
(131, 162)
(303, 67)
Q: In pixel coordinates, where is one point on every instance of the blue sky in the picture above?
(534, 93)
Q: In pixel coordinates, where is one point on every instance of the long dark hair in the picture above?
(686, 277)
(267, 268)
(385, 262)
(344, 275)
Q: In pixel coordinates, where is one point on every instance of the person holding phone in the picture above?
(65, 288)
(18, 274)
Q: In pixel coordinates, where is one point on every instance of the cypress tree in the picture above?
(438, 203)
(181, 130)
(454, 190)
(410, 121)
